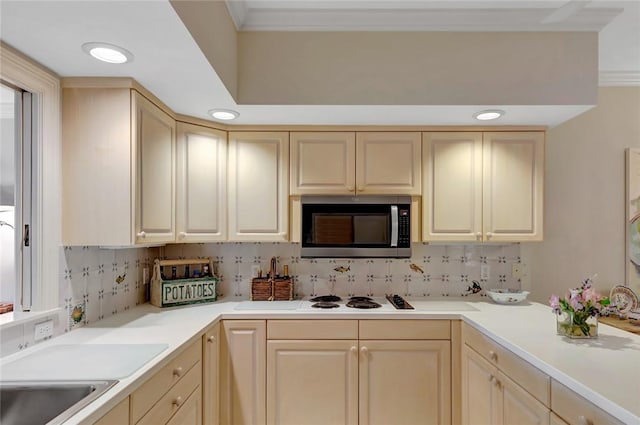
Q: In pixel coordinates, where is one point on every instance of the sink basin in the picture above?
(46, 402)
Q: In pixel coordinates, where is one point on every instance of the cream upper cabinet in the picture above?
(258, 190)
(361, 163)
(155, 179)
(118, 168)
(452, 200)
(388, 163)
(323, 163)
(201, 194)
(513, 169)
(210, 375)
(243, 372)
(405, 382)
(312, 382)
(485, 187)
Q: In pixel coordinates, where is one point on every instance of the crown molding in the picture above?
(619, 78)
(238, 10)
(283, 16)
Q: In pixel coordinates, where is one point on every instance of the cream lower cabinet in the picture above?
(484, 187)
(490, 397)
(119, 415)
(258, 189)
(201, 190)
(330, 377)
(211, 375)
(312, 382)
(173, 395)
(118, 171)
(243, 372)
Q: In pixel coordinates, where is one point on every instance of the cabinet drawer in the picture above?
(575, 409)
(174, 399)
(145, 396)
(312, 329)
(526, 375)
(405, 329)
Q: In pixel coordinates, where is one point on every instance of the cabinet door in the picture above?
(405, 382)
(243, 372)
(258, 186)
(481, 398)
(323, 163)
(119, 415)
(513, 172)
(190, 412)
(201, 193)
(210, 375)
(452, 181)
(154, 133)
(312, 382)
(388, 163)
(518, 406)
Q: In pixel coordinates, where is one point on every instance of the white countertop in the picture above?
(605, 371)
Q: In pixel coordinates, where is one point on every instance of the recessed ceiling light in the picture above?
(224, 114)
(106, 52)
(489, 114)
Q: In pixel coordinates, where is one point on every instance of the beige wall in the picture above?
(584, 197)
(417, 68)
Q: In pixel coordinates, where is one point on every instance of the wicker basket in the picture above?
(272, 288)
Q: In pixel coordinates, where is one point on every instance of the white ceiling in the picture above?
(169, 63)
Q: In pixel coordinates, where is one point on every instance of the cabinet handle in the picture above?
(492, 378)
(584, 421)
(354, 349)
(177, 401)
(489, 234)
(350, 188)
(493, 356)
(364, 350)
(211, 338)
(479, 235)
(142, 235)
(360, 188)
(177, 371)
(182, 235)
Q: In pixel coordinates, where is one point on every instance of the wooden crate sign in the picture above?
(174, 292)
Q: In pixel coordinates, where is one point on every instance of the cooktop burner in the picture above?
(360, 299)
(363, 303)
(325, 304)
(326, 298)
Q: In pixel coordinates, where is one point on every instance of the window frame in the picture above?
(22, 72)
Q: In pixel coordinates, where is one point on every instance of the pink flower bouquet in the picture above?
(580, 304)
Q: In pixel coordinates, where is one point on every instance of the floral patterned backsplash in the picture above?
(432, 270)
(96, 283)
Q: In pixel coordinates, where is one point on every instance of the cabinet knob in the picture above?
(177, 371)
(493, 356)
(360, 188)
(182, 235)
(364, 350)
(489, 234)
(212, 338)
(584, 421)
(142, 235)
(492, 378)
(177, 401)
(354, 349)
(479, 235)
(350, 188)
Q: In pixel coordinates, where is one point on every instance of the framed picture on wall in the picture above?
(633, 218)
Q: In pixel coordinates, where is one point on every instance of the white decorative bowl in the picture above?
(507, 296)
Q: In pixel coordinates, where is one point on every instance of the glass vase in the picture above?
(577, 325)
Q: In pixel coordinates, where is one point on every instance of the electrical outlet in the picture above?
(516, 270)
(485, 272)
(43, 330)
(255, 270)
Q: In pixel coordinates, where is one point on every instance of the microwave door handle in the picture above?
(394, 225)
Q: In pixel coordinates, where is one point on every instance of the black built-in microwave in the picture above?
(356, 226)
